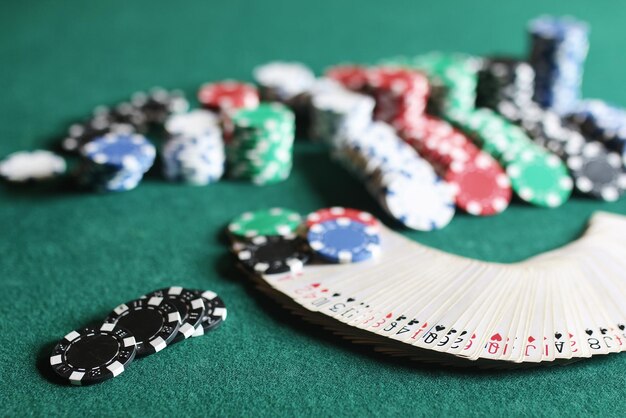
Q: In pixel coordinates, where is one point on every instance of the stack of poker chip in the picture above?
(144, 109)
(228, 95)
(281, 81)
(338, 112)
(400, 94)
(116, 162)
(505, 80)
(596, 172)
(266, 241)
(277, 241)
(261, 144)
(453, 79)
(405, 185)
(603, 122)
(343, 235)
(158, 104)
(302, 105)
(194, 153)
(482, 186)
(538, 176)
(136, 328)
(558, 51)
(123, 118)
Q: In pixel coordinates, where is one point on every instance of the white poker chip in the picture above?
(37, 165)
(195, 123)
(419, 203)
(287, 78)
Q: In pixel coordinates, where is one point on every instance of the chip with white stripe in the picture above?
(93, 355)
(154, 321)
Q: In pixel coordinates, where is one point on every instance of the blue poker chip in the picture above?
(131, 152)
(343, 240)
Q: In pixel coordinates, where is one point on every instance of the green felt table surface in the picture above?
(67, 258)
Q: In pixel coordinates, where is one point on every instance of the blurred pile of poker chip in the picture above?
(136, 328)
(194, 152)
(116, 162)
(504, 80)
(424, 133)
(558, 51)
(260, 147)
(404, 184)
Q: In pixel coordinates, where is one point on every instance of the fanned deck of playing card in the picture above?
(419, 302)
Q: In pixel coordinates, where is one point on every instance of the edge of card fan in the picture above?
(389, 346)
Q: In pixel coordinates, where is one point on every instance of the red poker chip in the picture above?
(482, 186)
(398, 81)
(327, 214)
(352, 77)
(228, 95)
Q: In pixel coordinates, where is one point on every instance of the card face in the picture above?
(413, 300)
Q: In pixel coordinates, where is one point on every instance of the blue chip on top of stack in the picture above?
(116, 161)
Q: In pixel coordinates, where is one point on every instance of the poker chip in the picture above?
(344, 240)
(153, 321)
(540, 178)
(597, 173)
(228, 95)
(336, 113)
(195, 123)
(122, 119)
(194, 153)
(405, 185)
(602, 122)
(419, 204)
(269, 222)
(558, 51)
(39, 165)
(191, 308)
(336, 212)
(214, 315)
(261, 144)
(453, 80)
(93, 355)
(482, 187)
(505, 80)
(158, 104)
(272, 254)
(400, 93)
(281, 81)
(116, 162)
(353, 77)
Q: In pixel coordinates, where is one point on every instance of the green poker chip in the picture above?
(540, 178)
(268, 222)
(261, 147)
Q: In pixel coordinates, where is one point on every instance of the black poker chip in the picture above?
(214, 315)
(93, 355)
(158, 104)
(272, 254)
(504, 79)
(190, 306)
(597, 173)
(153, 321)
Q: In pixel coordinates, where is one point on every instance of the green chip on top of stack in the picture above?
(261, 147)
